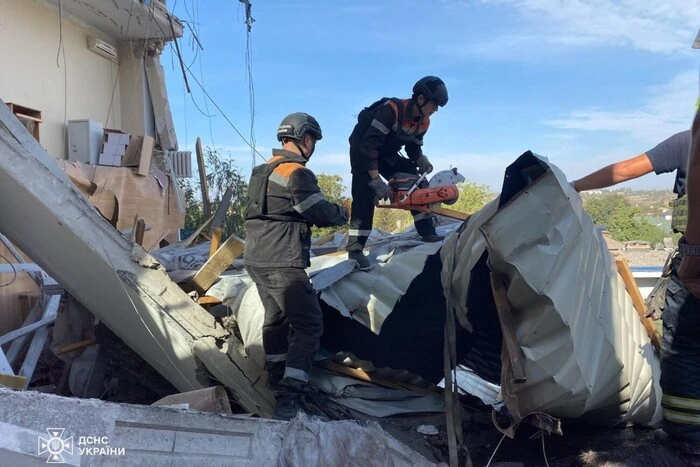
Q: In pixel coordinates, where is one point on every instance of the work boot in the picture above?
(432, 238)
(275, 373)
(360, 258)
(287, 405)
(289, 398)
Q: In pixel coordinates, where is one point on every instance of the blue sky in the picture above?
(582, 82)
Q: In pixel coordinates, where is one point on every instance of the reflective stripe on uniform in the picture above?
(359, 233)
(280, 357)
(680, 402)
(308, 202)
(279, 179)
(380, 126)
(681, 417)
(422, 215)
(296, 373)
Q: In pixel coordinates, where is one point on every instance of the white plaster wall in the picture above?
(29, 76)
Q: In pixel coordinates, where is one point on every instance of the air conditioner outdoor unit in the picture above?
(101, 47)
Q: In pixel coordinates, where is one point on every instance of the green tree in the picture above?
(472, 197)
(332, 188)
(621, 219)
(392, 220)
(221, 172)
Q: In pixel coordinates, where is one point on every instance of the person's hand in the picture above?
(689, 274)
(346, 203)
(381, 189)
(424, 165)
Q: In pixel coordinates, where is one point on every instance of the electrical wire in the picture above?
(62, 52)
(249, 76)
(495, 450)
(14, 272)
(116, 81)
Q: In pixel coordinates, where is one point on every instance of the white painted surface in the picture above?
(31, 78)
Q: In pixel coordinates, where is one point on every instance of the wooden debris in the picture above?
(75, 346)
(219, 261)
(623, 269)
(206, 204)
(381, 381)
(207, 300)
(215, 240)
(139, 231)
(507, 327)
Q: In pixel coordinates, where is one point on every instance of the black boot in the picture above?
(360, 258)
(290, 398)
(432, 238)
(275, 373)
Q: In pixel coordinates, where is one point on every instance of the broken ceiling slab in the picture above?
(120, 19)
(147, 435)
(44, 215)
(586, 351)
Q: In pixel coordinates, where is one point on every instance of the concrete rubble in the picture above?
(132, 435)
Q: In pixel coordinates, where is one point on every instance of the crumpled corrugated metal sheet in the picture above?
(586, 352)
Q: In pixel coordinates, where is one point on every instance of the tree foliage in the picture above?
(221, 172)
(332, 188)
(622, 219)
(472, 197)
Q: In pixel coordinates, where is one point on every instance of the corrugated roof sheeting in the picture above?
(586, 352)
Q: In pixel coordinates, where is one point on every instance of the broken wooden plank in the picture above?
(139, 232)
(379, 380)
(623, 269)
(13, 382)
(215, 241)
(221, 210)
(75, 346)
(206, 204)
(212, 269)
(193, 238)
(207, 300)
(510, 341)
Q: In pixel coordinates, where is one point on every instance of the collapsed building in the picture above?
(522, 312)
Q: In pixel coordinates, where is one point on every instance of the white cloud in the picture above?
(666, 110)
(664, 27)
(543, 28)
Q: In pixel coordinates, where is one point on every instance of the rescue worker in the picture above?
(284, 202)
(382, 129)
(680, 346)
(668, 156)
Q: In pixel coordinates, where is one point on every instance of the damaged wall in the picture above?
(31, 78)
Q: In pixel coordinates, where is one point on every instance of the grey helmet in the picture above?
(431, 88)
(295, 126)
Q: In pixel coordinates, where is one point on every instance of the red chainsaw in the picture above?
(413, 192)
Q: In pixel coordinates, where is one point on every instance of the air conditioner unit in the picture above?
(101, 47)
(181, 162)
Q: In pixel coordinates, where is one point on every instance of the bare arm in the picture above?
(615, 173)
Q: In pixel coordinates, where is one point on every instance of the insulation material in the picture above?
(120, 194)
(586, 352)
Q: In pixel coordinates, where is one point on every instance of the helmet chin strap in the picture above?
(303, 154)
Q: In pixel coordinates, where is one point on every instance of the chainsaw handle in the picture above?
(413, 188)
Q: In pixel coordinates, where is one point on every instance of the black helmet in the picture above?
(432, 88)
(296, 125)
